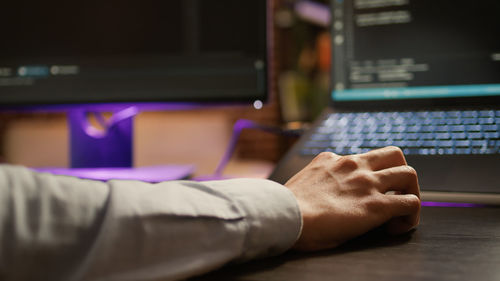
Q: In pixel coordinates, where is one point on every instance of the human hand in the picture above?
(341, 197)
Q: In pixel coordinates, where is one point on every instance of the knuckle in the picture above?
(415, 204)
(395, 150)
(323, 161)
(363, 182)
(325, 156)
(348, 163)
(411, 171)
(364, 178)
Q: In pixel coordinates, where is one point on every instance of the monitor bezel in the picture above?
(165, 104)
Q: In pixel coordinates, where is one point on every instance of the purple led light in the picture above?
(313, 12)
(239, 126)
(148, 174)
(115, 120)
(450, 204)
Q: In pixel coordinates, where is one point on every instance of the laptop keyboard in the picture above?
(418, 132)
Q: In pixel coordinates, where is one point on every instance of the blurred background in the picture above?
(300, 62)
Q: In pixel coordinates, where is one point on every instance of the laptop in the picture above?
(421, 75)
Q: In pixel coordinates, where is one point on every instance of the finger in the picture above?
(403, 179)
(405, 213)
(384, 158)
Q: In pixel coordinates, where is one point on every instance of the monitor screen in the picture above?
(67, 52)
(413, 49)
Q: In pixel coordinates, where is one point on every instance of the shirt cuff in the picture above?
(272, 215)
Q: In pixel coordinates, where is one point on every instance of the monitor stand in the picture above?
(105, 152)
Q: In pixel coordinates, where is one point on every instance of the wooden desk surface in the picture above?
(449, 244)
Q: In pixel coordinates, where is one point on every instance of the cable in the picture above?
(242, 124)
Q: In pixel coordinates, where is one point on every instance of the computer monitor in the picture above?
(415, 51)
(107, 55)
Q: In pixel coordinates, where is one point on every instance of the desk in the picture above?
(449, 244)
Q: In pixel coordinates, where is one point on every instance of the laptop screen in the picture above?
(415, 49)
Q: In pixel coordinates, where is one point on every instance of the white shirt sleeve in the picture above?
(63, 228)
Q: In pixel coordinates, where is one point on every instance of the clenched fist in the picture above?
(341, 197)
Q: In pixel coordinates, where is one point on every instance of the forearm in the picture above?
(132, 230)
